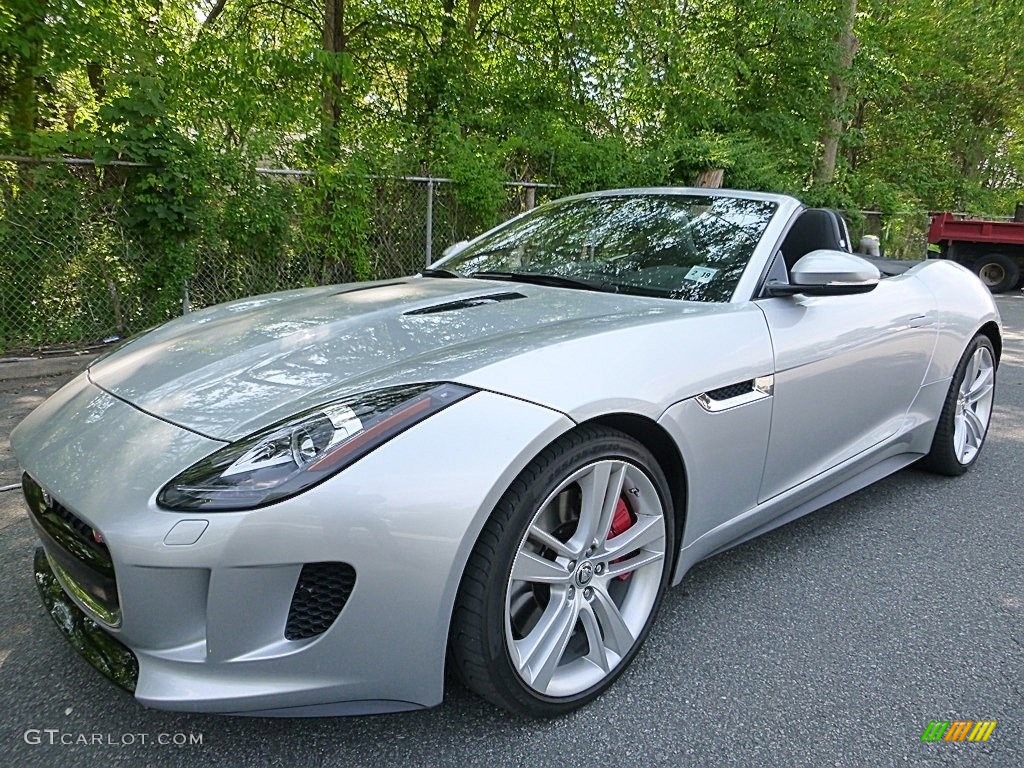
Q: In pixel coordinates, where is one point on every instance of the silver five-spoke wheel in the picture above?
(974, 405)
(585, 578)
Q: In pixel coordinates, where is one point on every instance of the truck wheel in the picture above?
(998, 272)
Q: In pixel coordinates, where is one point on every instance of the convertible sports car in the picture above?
(306, 503)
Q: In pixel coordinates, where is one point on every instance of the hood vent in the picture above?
(473, 301)
(367, 288)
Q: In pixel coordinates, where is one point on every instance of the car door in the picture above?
(847, 369)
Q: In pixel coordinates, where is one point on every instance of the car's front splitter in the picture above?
(113, 659)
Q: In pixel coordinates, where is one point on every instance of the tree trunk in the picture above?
(710, 178)
(472, 18)
(839, 86)
(24, 111)
(439, 70)
(335, 43)
(97, 81)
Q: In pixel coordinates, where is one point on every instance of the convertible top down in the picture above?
(303, 503)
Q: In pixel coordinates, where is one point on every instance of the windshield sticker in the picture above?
(701, 274)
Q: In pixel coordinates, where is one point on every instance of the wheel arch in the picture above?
(991, 331)
(643, 429)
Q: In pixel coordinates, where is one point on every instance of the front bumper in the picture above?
(206, 620)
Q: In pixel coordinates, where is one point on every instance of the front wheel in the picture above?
(565, 580)
(963, 423)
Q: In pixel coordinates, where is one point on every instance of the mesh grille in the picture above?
(320, 594)
(72, 533)
(77, 552)
(733, 390)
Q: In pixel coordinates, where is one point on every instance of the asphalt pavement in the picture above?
(832, 641)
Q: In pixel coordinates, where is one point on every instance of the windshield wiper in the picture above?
(439, 272)
(538, 278)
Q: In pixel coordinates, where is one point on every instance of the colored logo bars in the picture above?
(958, 730)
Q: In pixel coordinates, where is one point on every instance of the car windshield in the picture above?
(692, 247)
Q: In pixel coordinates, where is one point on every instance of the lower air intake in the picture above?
(320, 594)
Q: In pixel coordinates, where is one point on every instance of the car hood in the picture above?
(229, 370)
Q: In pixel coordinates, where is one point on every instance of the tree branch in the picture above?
(357, 28)
(287, 7)
(217, 10)
(485, 26)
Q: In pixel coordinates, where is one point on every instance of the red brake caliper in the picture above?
(621, 522)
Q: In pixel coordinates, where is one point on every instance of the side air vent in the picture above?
(733, 390)
(320, 593)
(735, 395)
(475, 301)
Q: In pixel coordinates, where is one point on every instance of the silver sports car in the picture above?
(307, 502)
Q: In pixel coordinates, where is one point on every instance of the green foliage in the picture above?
(584, 94)
(339, 202)
(474, 166)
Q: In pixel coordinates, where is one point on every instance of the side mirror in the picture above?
(454, 248)
(828, 273)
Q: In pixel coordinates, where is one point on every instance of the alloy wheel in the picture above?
(585, 578)
(974, 405)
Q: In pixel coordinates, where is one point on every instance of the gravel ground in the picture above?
(830, 642)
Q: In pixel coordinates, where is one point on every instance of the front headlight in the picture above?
(296, 454)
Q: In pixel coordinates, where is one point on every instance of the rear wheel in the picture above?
(966, 413)
(566, 577)
(998, 272)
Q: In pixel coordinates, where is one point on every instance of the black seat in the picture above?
(816, 228)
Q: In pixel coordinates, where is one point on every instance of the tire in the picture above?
(971, 391)
(498, 641)
(998, 272)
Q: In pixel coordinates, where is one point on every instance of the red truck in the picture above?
(993, 250)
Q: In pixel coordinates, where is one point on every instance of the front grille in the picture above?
(320, 593)
(76, 551)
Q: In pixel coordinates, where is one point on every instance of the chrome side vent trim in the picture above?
(735, 395)
(472, 301)
(731, 391)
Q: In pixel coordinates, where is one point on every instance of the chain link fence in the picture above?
(72, 273)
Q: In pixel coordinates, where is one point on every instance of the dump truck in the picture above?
(992, 249)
